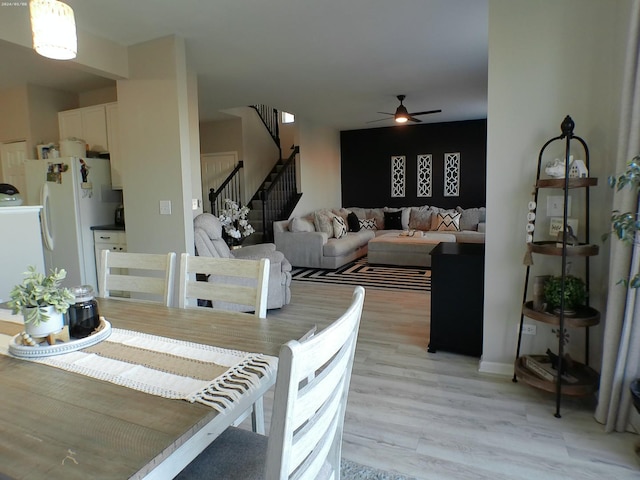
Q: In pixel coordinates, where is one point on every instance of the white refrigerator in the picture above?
(20, 246)
(75, 194)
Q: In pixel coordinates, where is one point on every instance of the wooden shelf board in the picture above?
(588, 378)
(573, 182)
(584, 317)
(550, 248)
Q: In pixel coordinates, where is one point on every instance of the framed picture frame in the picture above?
(43, 152)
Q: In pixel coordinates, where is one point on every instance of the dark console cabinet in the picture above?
(457, 298)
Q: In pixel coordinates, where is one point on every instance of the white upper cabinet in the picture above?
(98, 127)
(88, 124)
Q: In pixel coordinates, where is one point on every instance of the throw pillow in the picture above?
(352, 221)
(406, 212)
(471, 217)
(299, 224)
(393, 220)
(339, 227)
(368, 224)
(420, 218)
(448, 222)
(323, 221)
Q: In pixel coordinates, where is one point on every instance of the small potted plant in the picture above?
(42, 301)
(575, 293)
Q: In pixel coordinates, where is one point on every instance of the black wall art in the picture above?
(370, 165)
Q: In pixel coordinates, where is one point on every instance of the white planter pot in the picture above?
(53, 325)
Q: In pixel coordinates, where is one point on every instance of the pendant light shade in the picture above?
(54, 29)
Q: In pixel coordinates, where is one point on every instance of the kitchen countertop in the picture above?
(113, 226)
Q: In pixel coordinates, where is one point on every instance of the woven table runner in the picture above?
(161, 366)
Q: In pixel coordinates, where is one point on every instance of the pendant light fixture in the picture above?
(54, 29)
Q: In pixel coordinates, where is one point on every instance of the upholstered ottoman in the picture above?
(396, 249)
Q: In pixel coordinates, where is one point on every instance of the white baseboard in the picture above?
(505, 369)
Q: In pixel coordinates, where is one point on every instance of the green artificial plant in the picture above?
(575, 293)
(625, 225)
(40, 291)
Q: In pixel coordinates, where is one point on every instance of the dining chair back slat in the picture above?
(229, 280)
(138, 273)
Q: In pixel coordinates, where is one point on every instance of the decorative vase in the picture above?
(53, 325)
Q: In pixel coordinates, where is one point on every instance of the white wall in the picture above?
(547, 59)
(154, 116)
(319, 167)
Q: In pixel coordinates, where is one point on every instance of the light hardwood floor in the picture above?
(434, 416)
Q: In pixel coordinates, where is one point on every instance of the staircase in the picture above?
(278, 194)
(276, 198)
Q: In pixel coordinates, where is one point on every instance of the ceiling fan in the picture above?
(402, 115)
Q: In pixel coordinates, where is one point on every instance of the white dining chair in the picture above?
(305, 439)
(230, 282)
(149, 274)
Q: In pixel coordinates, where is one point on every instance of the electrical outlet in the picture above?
(528, 329)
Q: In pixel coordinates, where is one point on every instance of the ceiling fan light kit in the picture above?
(53, 27)
(402, 115)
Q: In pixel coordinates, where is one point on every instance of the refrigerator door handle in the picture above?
(47, 233)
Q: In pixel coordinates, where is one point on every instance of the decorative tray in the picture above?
(17, 349)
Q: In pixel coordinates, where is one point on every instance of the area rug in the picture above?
(353, 471)
(369, 276)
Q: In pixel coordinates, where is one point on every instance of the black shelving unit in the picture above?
(585, 379)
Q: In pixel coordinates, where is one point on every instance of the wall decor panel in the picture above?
(424, 175)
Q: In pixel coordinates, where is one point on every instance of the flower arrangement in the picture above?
(234, 221)
(40, 291)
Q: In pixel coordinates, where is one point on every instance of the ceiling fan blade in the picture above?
(425, 112)
(386, 113)
(413, 119)
(379, 120)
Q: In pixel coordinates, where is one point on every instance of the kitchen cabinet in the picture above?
(88, 124)
(113, 137)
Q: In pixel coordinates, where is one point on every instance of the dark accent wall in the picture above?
(366, 163)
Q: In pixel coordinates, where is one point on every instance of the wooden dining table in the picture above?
(55, 424)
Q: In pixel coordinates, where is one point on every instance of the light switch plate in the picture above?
(165, 207)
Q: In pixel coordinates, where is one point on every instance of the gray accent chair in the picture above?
(209, 243)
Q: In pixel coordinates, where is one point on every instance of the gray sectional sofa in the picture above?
(328, 238)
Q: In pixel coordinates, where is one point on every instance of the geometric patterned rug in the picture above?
(371, 276)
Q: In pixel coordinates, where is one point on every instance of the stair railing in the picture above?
(269, 117)
(279, 198)
(229, 188)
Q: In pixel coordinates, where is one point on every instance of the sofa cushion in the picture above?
(420, 218)
(393, 220)
(341, 212)
(301, 224)
(352, 241)
(353, 223)
(368, 224)
(361, 213)
(323, 221)
(471, 217)
(448, 222)
(339, 227)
